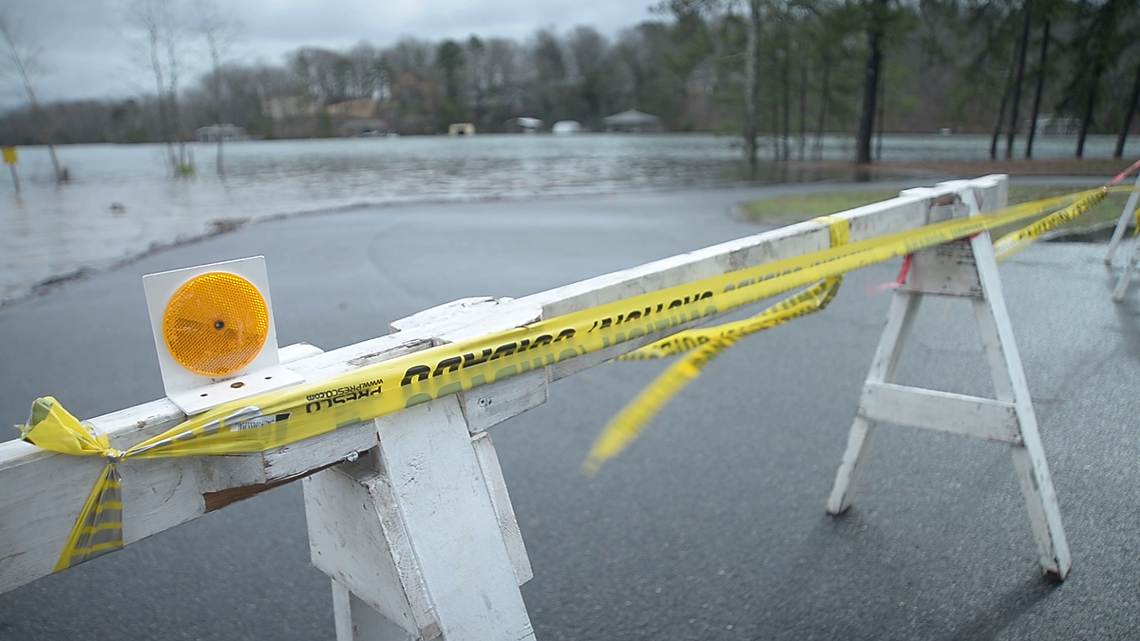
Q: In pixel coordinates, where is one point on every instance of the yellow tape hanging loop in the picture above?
(624, 428)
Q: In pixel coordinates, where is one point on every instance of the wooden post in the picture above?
(967, 269)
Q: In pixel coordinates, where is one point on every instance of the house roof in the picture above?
(631, 117)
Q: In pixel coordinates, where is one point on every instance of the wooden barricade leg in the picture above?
(1122, 222)
(900, 322)
(1117, 234)
(412, 533)
(355, 620)
(965, 269)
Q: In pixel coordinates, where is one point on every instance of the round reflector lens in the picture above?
(215, 324)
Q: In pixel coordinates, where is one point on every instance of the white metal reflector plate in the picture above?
(214, 333)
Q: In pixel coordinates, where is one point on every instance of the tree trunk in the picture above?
(803, 108)
(20, 62)
(163, 117)
(1128, 113)
(1001, 116)
(1040, 87)
(172, 96)
(1022, 48)
(60, 174)
(1090, 104)
(750, 78)
(785, 132)
(870, 83)
(775, 125)
(882, 115)
(216, 59)
(817, 149)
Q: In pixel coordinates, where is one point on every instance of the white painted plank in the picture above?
(487, 406)
(357, 537)
(945, 270)
(463, 310)
(1010, 385)
(438, 488)
(356, 621)
(884, 366)
(501, 499)
(940, 411)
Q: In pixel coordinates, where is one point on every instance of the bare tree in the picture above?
(1022, 52)
(876, 26)
(475, 53)
(1041, 70)
(22, 61)
(220, 35)
(1129, 111)
(751, 73)
(159, 31)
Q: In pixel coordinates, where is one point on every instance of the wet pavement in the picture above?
(712, 525)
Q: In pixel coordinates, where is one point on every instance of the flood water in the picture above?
(122, 200)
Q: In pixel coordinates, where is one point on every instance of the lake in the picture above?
(122, 200)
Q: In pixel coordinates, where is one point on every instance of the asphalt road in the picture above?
(712, 526)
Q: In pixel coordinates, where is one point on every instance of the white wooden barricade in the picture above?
(965, 269)
(1117, 235)
(409, 514)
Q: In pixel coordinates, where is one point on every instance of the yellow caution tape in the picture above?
(1009, 244)
(805, 302)
(309, 409)
(1014, 242)
(702, 345)
(624, 428)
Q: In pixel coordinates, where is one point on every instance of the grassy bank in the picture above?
(784, 210)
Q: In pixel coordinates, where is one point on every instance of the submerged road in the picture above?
(712, 525)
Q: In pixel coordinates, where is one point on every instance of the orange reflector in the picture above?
(215, 324)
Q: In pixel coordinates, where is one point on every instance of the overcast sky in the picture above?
(90, 50)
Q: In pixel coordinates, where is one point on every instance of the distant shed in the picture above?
(632, 121)
(566, 127)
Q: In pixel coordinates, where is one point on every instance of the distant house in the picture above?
(566, 127)
(461, 129)
(282, 108)
(357, 109)
(225, 133)
(632, 121)
(523, 124)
